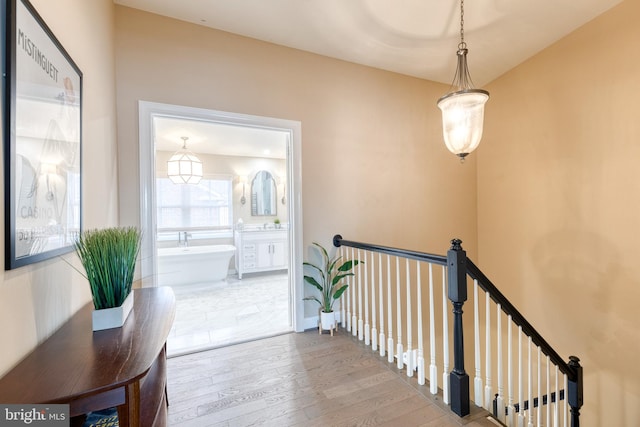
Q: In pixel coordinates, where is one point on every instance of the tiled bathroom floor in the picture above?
(210, 315)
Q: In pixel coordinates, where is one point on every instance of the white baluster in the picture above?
(348, 296)
(381, 304)
(399, 350)
(335, 306)
(421, 379)
(360, 320)
(555, 405)
(374, 331)
(354, 317)
(488, 390)
(500, 398)
(446, 398)
(548, 411)
(433, 368)
(350, 303)
(565, 404)
(521, 419)
(410, 366)
(476, 327)
(530, 387)
(343, 298)
(389, 313)
(539, 410)
(367, 330)
(511, 410)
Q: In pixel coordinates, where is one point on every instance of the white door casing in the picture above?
(146, 112)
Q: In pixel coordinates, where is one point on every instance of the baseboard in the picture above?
(310, 323)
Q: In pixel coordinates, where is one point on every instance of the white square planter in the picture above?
(115, 317)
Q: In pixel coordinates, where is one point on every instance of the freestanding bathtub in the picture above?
(193, 264)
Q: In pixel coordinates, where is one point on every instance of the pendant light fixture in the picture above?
(184, 167)
(463, 107)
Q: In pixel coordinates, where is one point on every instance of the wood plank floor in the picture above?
(301, 380)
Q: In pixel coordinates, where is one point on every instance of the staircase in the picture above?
(399, 301)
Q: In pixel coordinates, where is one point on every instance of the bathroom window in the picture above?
(203, 206)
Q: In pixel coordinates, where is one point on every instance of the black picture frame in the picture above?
(42, 139)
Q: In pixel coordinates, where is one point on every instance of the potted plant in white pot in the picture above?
(329, 281)
(109, 259)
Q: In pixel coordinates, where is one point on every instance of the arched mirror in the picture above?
(263, 194)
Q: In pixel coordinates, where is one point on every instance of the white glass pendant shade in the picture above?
(463, 107)
(184, 168)
(463, 119)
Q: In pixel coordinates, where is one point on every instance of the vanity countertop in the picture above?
(262, 227)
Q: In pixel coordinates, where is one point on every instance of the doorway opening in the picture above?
(245, 209)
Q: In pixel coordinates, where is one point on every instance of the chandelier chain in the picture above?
(462, 44)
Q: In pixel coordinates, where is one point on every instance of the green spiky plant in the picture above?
(331, 276)
(109, 258)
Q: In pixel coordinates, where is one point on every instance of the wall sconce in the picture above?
(243, 181)
(282, 181)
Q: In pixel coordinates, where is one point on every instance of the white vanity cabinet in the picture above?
(261, 250)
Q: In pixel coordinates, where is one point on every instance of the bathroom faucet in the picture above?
(186, 236)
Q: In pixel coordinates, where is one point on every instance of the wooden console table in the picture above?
(122, 367)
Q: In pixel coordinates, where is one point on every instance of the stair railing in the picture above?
(456, 267)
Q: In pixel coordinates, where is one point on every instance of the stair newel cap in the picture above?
(574, 361)
(456, 245)
(336, 240)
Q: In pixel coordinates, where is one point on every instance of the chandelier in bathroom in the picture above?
(463, 107)
(184, 167)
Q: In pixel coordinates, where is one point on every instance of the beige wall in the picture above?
(374, 166)
(556, 189)
(559, 203)
(35, 300)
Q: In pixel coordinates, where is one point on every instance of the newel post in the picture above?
(458, 379)
(574, 397)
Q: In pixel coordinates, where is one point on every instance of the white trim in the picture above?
(146, 112)
(311, 322)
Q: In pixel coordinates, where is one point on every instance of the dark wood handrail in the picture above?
(475, 273)
(420, 256)
(460, 267)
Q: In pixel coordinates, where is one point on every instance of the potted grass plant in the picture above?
(109, 259)
(328, 278)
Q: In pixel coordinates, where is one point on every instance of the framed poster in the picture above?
(42, 137)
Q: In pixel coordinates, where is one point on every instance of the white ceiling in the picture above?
(218, 138)
(414, 37)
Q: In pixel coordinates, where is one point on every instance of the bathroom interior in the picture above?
(223, 239)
